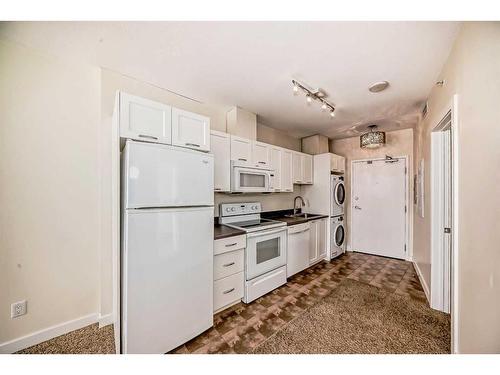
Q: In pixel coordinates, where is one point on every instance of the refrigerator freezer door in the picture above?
(167, 277)
(158, 175)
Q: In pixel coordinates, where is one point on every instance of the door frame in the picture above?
(437, 234)
(409, 207)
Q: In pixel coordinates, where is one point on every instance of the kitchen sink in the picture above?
(302, 216)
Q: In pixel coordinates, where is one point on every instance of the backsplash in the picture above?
(270, 202)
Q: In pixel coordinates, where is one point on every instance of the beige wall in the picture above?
(473, 72)
(398, 143)
(277, 137)
(49, 195)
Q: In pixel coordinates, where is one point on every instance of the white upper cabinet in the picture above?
(307, 169)
(221, 149)
(297, 167)
(275, 164)
(286, 171)
(302, 168)
(144, 119)
(190, 130)
(260, 154)
(337, 163)
(241, 150)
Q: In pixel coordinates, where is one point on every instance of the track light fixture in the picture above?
(317, 95)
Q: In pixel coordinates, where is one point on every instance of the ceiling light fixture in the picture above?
(372, 139)
(378, 86)
(317, 95)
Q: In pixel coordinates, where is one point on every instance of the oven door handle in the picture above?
(264, 233)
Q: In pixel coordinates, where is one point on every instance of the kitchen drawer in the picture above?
(229, 263)
(225, 245)
(228, 290)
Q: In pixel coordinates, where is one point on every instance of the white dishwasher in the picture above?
(298, 248)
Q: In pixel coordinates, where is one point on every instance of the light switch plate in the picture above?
(18, 308)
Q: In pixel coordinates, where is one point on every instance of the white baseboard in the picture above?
(47, 334)
(422, 281)
(105, 320)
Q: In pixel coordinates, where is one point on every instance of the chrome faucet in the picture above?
(302, 204)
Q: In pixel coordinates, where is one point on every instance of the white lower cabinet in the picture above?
(318, 240)
(229, 266)
(228, 291)
(299, 237)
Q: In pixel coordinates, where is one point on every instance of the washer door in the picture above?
(339, 193)
(339, 235)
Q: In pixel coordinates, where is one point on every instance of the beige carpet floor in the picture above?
(360, 318)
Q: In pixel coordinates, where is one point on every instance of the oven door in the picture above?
(250, 180)
(266, 251)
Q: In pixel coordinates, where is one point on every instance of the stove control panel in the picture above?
(233, 209)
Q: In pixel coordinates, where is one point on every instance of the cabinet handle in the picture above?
(192, 144)
(148, 136)
(241, 159)
(217, 188)
(261, 162)
(228, 291)
(228, 265)
(231, 244)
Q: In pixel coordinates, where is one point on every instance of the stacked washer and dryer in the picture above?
(337, 224)
(327, 196)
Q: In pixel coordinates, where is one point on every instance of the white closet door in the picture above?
(378, 208)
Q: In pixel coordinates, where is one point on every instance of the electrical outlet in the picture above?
(18, 309)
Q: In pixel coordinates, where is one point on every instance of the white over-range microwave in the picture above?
(245, 179)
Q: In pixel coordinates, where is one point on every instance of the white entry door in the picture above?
(378, 207)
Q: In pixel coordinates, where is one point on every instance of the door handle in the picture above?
(148, 136)
(357, 207)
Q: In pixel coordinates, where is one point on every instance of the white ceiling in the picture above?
(251, 64)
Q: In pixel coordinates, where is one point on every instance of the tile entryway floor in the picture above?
(241, 328)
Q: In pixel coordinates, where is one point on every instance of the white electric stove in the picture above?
(265, 254)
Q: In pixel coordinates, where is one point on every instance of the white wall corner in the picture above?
(422, 282)
(105, 320)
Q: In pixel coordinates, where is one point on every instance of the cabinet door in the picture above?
(313, 242)
(341, 164)
(286, 171)
(260, 154)
(221, 149)
(297, 167)
(307, 169)
(241, 150)
(190, 130)
(275, 164)
(144, 119)
(322, 238)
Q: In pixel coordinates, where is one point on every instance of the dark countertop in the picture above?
(281, 216)
(223, 231)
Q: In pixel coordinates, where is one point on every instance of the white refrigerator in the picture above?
(167, 246)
